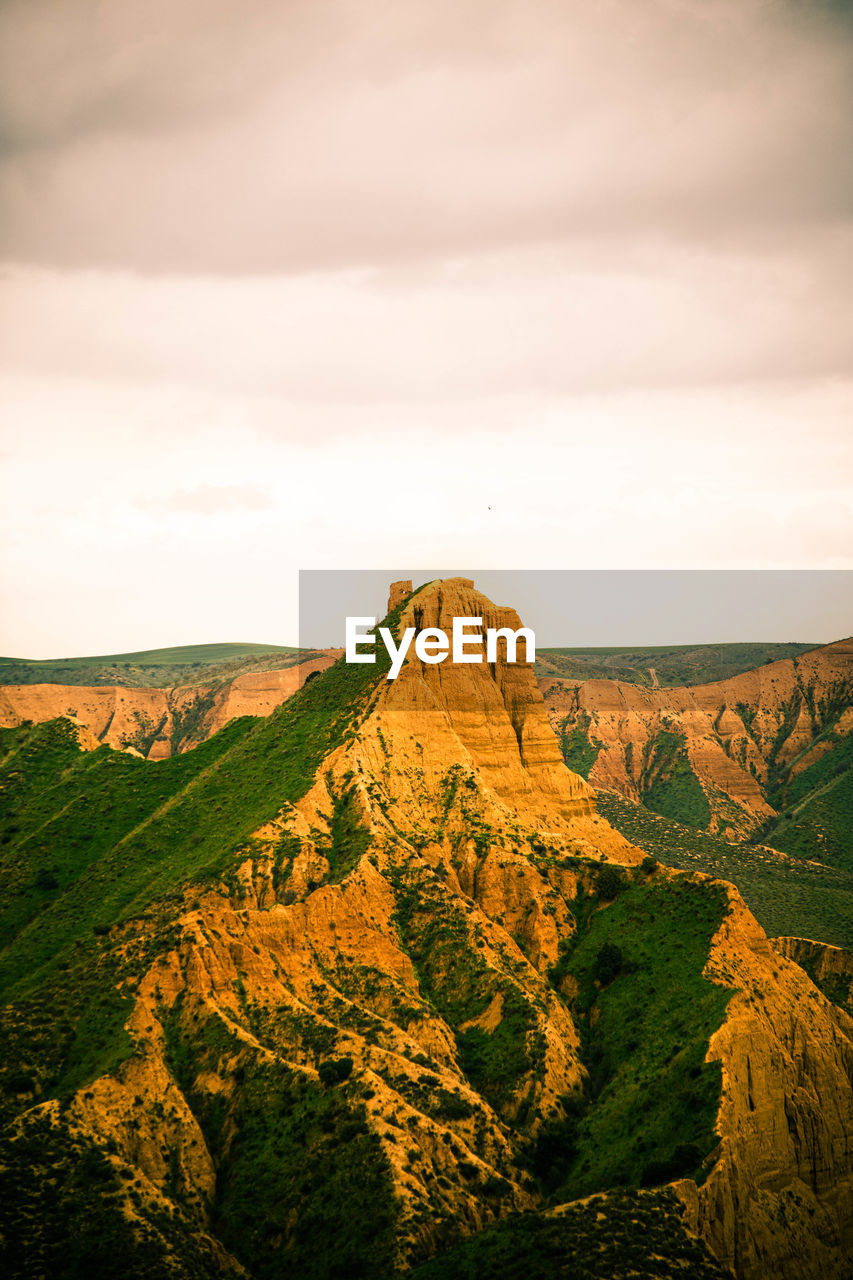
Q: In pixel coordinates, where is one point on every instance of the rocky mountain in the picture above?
(368, 987)
(767, 754)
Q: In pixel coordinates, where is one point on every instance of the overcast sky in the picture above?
(575, 607)
(343, 283)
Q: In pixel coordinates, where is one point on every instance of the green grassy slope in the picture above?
(816, 808)
(646, 1016)
(302, 1164)
(183, 664)
(668, 784)
(114, 832)
(115, 839)
(674, 665)
(91, 840)
(626, 1236)
(786, 896)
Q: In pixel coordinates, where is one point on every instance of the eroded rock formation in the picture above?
(738, 734)
(156, 723)
(386, 956)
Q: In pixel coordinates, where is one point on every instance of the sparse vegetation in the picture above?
(462, 987)
(121, 832)
(816, 804)
(579, 750)
(625, 1236)
(185, 664)
(62, 1199)
(668, 784)
(785, 895)
(674, 665)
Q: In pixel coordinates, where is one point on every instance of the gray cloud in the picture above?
(181, 135)
(543, 321)
(500, 281)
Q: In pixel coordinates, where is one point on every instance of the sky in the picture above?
(573, 608)
(337, 284)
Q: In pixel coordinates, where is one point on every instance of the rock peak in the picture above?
(399, 591)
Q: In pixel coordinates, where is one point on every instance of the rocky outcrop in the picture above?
(443, 739)
(398, 593)
(738, 733)
(779, 1199)
(830, 968)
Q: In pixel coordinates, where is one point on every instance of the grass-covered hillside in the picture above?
(195, 664)
(87, 838)
(376, 1038)
(159, 668)
(815, 804)
(788, 896)
(623, 1236)
(667, 666)
(91, 839)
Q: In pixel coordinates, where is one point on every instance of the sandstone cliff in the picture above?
(830, 968)
(740, 738)
(779, 1199)
(157, 722)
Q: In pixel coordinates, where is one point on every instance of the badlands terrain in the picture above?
(365, 983)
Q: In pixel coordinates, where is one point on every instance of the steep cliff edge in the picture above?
(486, 719)
(830, 968)
(786, 1117)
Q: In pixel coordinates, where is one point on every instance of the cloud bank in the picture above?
(511, 283)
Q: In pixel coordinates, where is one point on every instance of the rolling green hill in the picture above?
(191, 664)
(673, 665)
(183, 664)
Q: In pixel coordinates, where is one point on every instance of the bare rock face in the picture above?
(779, 1199)
(492, 719)
(156, 723)
(830, 968)
(735, 731)
(112, 713)
(397, 594)
(454, 753)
